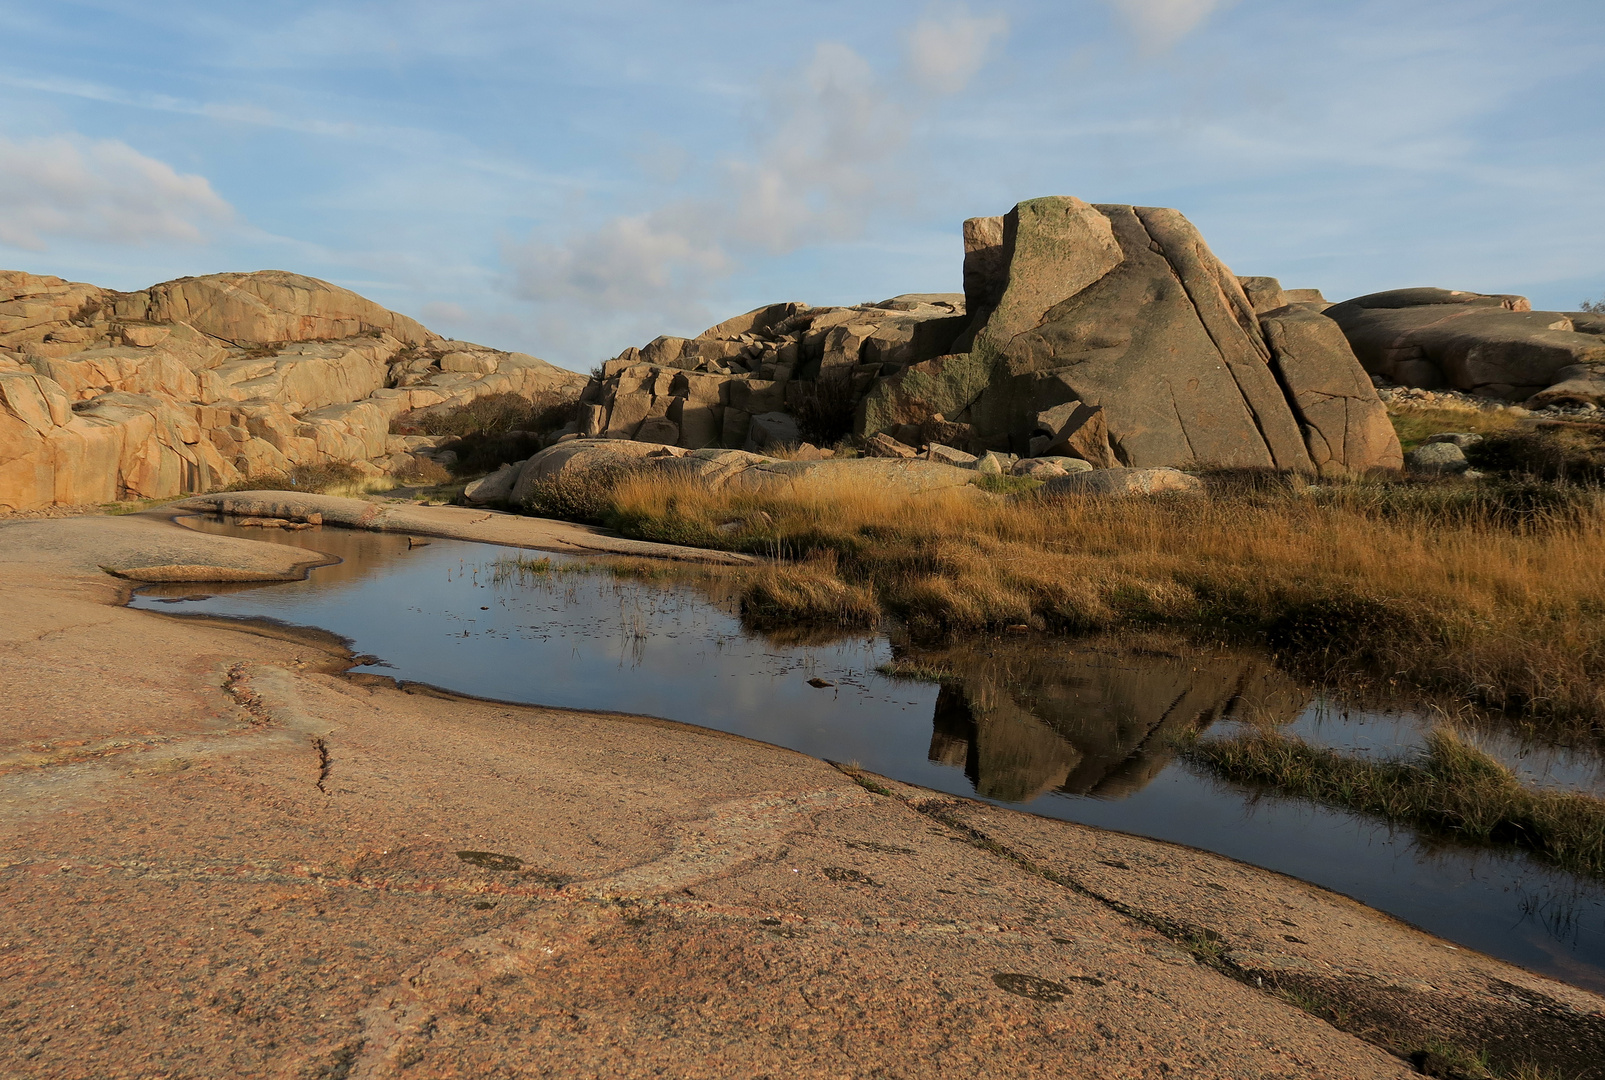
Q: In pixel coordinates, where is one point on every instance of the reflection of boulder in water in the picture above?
(1005, 751)
(1088, 721)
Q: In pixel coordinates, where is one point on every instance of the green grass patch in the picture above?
(1004, 484)
(1415, 425)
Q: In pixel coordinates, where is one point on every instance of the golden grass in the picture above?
(326, 478)
(1494, 593)
(1452, 788)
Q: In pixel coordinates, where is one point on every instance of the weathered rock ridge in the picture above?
(1494, 346)
(1109, 334)
(194, 384)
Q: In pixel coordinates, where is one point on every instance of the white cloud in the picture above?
(944, 54)
(627, 263)
(105, 191)
(830, 130)
(1159, 24)
(829, 151)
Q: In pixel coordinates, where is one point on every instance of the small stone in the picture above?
(949, 456)
(883, 445)
(1437, 458)
(819, 684)
(1461, 439)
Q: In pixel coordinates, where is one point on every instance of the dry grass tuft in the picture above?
(1453, 788)
(1491, 592)
(812, 592)
(325, 478)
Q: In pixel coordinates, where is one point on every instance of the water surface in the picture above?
(1075, 731)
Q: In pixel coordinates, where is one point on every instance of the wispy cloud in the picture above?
(105, 191)
(944, 54)
(829, 151)
(1160, 24)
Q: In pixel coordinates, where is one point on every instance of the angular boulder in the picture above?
(1163, 339)
(1346, 428)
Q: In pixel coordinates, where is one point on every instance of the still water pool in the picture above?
(1068, 730)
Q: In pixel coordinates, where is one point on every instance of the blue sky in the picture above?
(571, 178)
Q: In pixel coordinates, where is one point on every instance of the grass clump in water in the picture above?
(1451, 788)
(810, 592)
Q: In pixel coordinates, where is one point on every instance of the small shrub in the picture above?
(422, 472)
(321, 479)
(1593, 307)
(1570, 452)
(497, 414)
(493, 430)
(586, 497)
(823, 407)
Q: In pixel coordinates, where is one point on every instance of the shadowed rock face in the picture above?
(200, 382)
(1023, 721)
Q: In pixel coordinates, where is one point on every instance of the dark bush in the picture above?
(1566, 452)
(823, 407)
(316, 479)
(585, 498)
(494, 430)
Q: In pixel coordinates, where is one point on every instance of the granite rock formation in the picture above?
(195, 384)
(1493, 346)
(1106, 333)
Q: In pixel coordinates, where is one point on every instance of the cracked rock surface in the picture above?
(224, 857)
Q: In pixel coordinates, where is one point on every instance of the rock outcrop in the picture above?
(195, 384)
(1106, 333)
(1493, 346)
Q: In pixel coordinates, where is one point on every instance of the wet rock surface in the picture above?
(222, 857)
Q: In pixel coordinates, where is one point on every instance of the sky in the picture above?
(568, 179)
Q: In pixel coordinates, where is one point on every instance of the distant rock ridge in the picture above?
(1491, 345)
(1106, 333)
(194, 384)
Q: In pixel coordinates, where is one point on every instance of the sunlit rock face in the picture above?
(196, 384)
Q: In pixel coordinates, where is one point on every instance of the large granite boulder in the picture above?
(200, 383)
(1125, 310)
(1490, 345)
